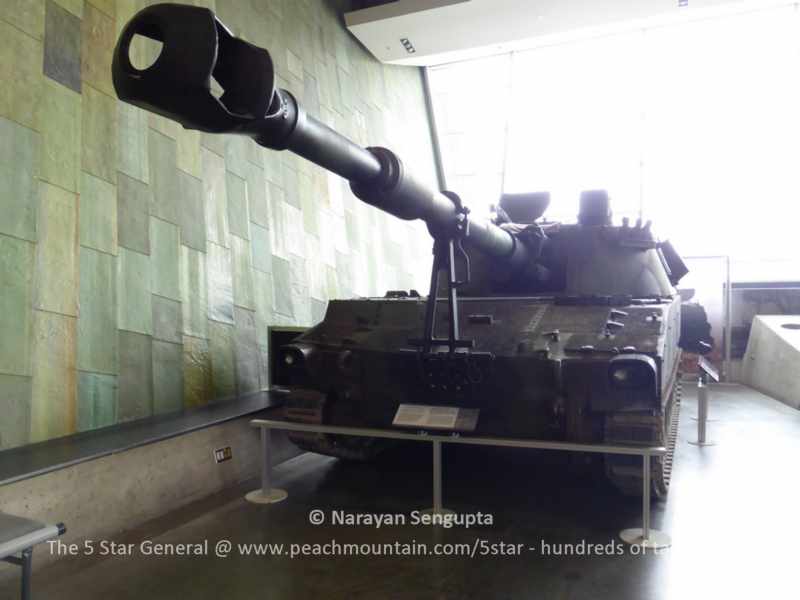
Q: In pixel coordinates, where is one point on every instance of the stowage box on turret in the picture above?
(530, 328)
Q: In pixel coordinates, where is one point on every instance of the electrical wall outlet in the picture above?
(223, 454)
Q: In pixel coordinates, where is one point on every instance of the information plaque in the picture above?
(448, 418)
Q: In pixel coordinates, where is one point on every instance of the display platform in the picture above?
(772, 359)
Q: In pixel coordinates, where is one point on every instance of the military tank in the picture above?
(530, 328)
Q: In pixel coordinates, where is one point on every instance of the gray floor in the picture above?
(732, 514)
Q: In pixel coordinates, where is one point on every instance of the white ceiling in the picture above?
(449, 30)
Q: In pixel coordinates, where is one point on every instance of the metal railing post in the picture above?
(266, 494)
(437, 476)
(702, 412)
(646, 536)
(437, 509)
(266, 461)
(646, 496)
(27, 560)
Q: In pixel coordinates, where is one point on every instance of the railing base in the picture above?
(273, 496)
(657, 540)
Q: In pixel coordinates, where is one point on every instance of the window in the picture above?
(695, 125)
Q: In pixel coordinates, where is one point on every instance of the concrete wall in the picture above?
(102, 498)
(141, 264)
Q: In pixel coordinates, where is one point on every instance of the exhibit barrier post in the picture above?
(27, 568)
(702, 411)
(645, 536)
(646, 497)
(437, 509)
(437, 476)
(706, 373)
(266, 494)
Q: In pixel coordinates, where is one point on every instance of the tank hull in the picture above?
(543, 373)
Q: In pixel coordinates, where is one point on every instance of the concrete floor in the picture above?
(732, 515)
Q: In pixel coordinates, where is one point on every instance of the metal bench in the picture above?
(18, 536)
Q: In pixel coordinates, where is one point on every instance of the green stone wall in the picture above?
(141, 264)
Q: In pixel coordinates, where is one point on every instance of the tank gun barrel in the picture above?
(197, 47)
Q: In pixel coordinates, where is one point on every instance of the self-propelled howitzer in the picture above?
(536, 329)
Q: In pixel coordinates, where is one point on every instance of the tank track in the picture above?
(344, 447)
(625, 472)
(310, 407)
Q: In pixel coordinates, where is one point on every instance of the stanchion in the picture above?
(437, 482)
(27, 567)
(646, 536)
(706, 372)
(266, 494)
(702, 407)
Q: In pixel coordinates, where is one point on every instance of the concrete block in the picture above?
(62, 46)
(264, 297)
(167, 316)
(97, 400)
(257, 195)
(238, 212)
(192, 219)
(98, 214)
(27, 15)
(97, 322)
(21, 74)
(236, 155)
(215, 197)
(15, 406)
(261, 248)
(135, 376)
(54, 391)
(56, 275)
(134, 310)
(163, 177)
(246, 351)
(99, 134)
(167, 377)
(16, 275)
(772, 359)
(19, 167)
(133, 221)
(291, 186)
(164, 257)
(194, 292)
(282, 280)
(132, 149)
(188, 152)
(242, 273)
(220, 284)
(223, 360)
(197, 388)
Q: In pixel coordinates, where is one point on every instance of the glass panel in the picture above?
(694, 125)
